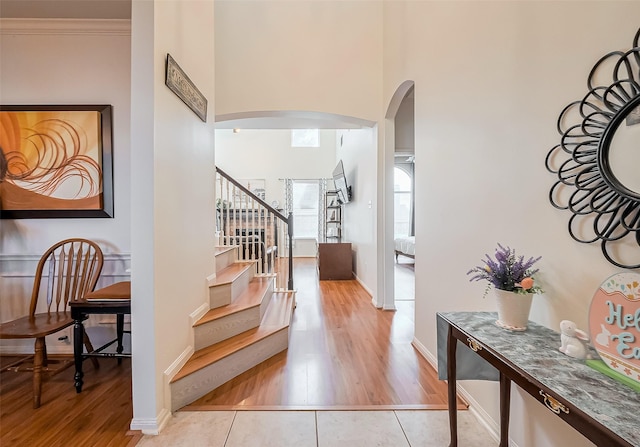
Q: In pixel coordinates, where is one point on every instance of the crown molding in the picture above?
(112, 27)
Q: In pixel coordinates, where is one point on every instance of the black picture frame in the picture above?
(97, 170)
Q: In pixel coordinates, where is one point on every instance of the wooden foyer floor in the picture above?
(343, 354)
(99, 416)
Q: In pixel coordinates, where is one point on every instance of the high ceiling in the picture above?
(121, 9)
(65, 9)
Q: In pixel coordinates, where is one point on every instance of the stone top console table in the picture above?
(602, 409)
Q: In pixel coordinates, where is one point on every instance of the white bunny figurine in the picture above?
(574, 341)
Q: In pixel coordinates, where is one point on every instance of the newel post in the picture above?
(290, 233)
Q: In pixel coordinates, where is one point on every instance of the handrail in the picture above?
(288, 219)
(250, 194)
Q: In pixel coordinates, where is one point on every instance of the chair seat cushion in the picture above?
(38, 326)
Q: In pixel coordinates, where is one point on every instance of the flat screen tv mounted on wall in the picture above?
(340, 181)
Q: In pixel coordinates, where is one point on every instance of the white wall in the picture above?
(45, 64)
(172, 196)
(267, 154)
(490, 81)
(405, 126)
(65, 62)
(307, 55)
(358, 155)
(485, 119)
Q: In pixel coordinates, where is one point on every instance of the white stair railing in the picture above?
(260, 232)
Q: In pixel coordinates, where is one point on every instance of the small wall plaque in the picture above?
(180, 84)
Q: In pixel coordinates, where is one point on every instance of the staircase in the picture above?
(248, 322)
(261, 232)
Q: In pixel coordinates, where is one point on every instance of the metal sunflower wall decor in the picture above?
(597, 161)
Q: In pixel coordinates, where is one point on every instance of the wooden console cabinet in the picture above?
(335, 260)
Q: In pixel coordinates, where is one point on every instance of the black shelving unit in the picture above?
(332, 217)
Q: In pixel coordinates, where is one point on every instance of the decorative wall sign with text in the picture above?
(614, 323)
(180, 84)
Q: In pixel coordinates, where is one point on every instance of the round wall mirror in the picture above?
(597, 162)
(620, 150)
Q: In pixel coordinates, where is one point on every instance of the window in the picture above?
(305, 138)
(305, 198)
(402, 202)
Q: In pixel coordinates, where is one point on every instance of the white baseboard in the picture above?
(483, 417)
(151, 426)
(211, 279)
(28, 350)
(198, 313)
(25, 346)
(178, 363)
(424, 352)
(172, 370)
(366, 289)
(373, 300)
(364, 286)
(474, 407)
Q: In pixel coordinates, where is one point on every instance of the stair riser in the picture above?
(196, 385)
(225, 294)
(226, 327)
(225, 259)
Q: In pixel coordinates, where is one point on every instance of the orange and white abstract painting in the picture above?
(51, 160)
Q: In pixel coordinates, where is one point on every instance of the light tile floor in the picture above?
(399, 428)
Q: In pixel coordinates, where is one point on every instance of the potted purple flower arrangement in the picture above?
(511, 276)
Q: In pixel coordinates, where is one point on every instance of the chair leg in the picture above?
(89, 346)
(45, 359)
(38, 358)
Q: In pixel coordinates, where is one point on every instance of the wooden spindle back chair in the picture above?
(70, 268)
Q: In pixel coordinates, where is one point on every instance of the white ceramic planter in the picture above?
(513, 309)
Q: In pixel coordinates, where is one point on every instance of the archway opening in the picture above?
(399, 232)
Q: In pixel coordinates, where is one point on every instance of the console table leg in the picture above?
(78, 337)
(505, 403)
(451, 382)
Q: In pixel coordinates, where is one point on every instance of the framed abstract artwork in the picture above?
(56, 161)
